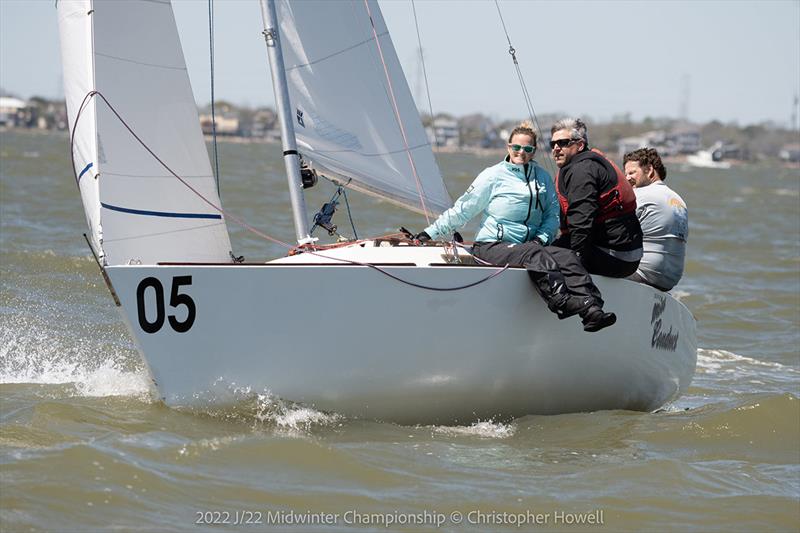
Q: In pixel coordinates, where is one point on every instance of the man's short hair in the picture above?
(576, 127)
(647, 157)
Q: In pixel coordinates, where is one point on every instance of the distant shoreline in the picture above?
(474, 151)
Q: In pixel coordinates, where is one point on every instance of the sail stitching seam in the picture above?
(139, 62)
(379, 154)
(340, 52)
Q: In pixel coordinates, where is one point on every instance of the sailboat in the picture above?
(208, 327)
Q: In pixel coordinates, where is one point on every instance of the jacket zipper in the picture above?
(528, 170)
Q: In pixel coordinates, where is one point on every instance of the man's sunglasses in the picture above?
(525, 148)
(562, 143)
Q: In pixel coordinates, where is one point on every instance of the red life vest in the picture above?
(617, 201)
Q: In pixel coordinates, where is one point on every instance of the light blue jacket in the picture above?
(516, 207)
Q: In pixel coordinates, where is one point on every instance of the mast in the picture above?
(290, 156)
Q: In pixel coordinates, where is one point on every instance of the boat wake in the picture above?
(738, 373)
(725, 362)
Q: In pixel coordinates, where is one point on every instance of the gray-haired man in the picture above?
(598, 218)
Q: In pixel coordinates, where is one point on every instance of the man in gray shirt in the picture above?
(664, 219)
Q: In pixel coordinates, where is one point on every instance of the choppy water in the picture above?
(82, 446)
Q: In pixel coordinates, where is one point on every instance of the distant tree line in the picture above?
(752, 142)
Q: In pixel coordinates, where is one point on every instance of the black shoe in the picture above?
(571, 306)
(595, 319)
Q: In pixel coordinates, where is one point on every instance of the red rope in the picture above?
(397, 115)
(211, 204)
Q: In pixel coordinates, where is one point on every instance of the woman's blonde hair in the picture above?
(525, 128)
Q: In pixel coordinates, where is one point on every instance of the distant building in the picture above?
(445, 132)
(12, 111)
(227, 124)
(685, 141)
(790, 153)
(264, 124)
(651, 139)
(477, 130)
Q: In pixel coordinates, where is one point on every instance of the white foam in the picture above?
(717, 359)
(487, 430)
(109, 380)
(214, 444)
(293, 418)
(31, 354)
(736, 372)
(679, 294)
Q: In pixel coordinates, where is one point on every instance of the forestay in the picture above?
(137, 210)
(347, 91)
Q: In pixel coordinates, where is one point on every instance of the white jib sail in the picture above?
(346, 92)
(138, 211)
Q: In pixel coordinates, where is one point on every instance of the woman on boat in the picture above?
(520, 217)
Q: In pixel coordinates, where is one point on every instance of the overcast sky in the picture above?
(727, 60)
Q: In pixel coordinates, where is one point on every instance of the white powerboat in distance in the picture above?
(711, 158)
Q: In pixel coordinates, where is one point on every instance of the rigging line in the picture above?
(213, 104)
(528, 102)
(235, 219)
(81, 107)
(397, 114)
(500, 270)
(496, 273)
(241, 222)
(349, 213)
(424, 70)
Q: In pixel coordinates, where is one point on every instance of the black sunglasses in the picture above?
(562, 143)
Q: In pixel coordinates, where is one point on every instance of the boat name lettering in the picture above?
(176, 299)
(662, 340)
(658, 308)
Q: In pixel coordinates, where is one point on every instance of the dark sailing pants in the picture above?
(539, 260)
(597, 261)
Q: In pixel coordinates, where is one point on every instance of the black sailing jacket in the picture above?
(582, 181)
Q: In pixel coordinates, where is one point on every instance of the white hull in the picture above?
(349, 339)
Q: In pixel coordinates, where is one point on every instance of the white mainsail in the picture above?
(137, 210)
(347, 91)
